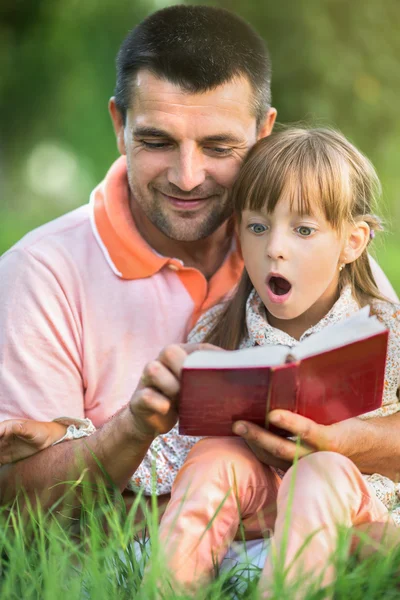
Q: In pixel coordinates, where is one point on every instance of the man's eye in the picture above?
(219, 150)
(154, 145)
(257, 228)
(305, 231)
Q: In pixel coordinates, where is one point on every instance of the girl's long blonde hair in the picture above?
(313, 168)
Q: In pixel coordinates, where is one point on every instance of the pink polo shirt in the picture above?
(85, 303)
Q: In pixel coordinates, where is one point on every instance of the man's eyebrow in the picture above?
(155, 132)
(224, 138)
(150, 132)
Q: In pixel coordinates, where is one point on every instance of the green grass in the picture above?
(43, 558)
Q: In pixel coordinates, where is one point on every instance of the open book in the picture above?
(330, 376)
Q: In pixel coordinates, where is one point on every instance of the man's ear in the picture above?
(268, 123)
(118, 124)
(357, 239)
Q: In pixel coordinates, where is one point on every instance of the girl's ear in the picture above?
(357, 239)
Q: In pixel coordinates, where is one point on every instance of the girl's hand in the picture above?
(154, 404)
(20, 438)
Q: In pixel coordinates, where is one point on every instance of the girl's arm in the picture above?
(20, 438)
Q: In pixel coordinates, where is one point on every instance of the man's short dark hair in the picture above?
(197, 48)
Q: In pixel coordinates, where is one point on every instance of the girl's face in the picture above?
(293, 262)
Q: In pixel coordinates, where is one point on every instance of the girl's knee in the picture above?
(323, 464)
(224, 457)
(226, 470)
(321, 470)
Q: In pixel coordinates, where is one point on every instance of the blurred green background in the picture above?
(334, 62)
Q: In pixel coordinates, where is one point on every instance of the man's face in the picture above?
(184, 151)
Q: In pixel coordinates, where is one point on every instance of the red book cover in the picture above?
(327, 387)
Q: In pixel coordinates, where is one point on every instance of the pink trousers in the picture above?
(223, 491)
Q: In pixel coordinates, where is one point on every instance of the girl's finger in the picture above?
(11, 427)
(27, 430)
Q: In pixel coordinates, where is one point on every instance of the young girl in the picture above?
(303, 201)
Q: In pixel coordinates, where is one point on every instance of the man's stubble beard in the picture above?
(188, 229)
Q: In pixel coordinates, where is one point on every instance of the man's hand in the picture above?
(280, 452)
(154, 404)
(20, 438)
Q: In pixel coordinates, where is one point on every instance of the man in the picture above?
(87, 300)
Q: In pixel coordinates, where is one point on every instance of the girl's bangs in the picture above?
(313, 183)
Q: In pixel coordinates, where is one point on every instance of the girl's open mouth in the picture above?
(278, 288)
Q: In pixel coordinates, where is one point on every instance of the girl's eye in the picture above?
(257, 228)
(305, 231)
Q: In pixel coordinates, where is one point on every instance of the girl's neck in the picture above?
(296, 327)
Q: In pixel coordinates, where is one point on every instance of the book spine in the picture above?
(284, 387)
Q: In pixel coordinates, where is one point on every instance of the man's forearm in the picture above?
(116, 447)
(375, 446)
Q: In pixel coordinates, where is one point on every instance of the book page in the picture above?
(260, 356)
(357, 327)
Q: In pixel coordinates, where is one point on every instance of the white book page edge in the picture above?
(357, 327)
(264, 356)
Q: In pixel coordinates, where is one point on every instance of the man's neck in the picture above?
(205, 255)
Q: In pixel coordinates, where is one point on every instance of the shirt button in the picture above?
(173, 267)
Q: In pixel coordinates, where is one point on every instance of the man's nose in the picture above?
(187, 170)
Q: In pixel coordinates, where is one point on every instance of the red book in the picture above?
(333, 375)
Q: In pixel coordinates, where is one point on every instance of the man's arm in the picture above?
(117, 447)
(41, 358)
(115, 451)
(373, 444)
(41, 378)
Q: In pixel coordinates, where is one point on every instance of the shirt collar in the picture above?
(126, 252)
(261, 333)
